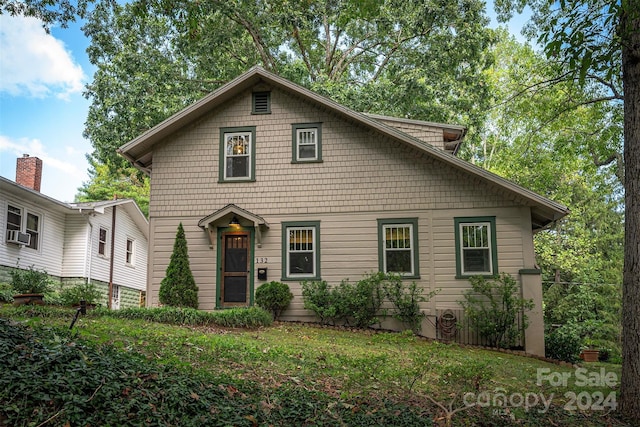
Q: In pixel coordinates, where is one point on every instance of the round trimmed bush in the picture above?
(274, 297)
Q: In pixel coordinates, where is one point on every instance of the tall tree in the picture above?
(48, 11)
(532, 139)
(422, 59)
(599, 41)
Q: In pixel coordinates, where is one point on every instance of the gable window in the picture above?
(19, 221)
(261, 103)
(129, 252)
(398, 246)
(300, 251)
(102, 241)
(237, 154)
(307, 142)
(476, 252)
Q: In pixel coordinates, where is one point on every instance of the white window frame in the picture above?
(300, 143)
(298, 132)
(23, 226)
(130, 252)
(230, 155)
(489, 245)
(385, 249)
(104, 243)
(314, 228)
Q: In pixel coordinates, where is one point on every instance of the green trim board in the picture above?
(251, 231)
(294, 142)
(382, 222)
(291, 224)
(491, 221)
(252, 157)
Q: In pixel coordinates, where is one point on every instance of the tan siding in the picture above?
(360, 171)
(428, 134)
(362, 178)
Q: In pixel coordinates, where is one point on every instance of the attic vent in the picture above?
(261, 103)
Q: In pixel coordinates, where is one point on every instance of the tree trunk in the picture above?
(630, 383)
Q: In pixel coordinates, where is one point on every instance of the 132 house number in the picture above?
(262, 260)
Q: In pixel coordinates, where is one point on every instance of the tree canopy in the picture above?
(419, 60)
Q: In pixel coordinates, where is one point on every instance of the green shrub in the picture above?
(274, 297)
(30, 281)
(492, 307)
(6, 292)
(563, 343)
(317, 297)
(406, 301)
(81, 292)
(357, 303)
(251, 317)
(178, 288)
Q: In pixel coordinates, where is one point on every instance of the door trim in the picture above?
(250, 275)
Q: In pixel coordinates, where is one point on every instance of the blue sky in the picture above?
(42, 110)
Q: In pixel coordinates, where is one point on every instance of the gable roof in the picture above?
(36, 197)
(139, 151)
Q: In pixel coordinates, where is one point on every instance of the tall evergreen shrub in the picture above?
(178, 288)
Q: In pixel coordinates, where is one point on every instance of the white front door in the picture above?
(115, 298)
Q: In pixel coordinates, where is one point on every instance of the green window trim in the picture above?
(489, 221)
(222, 161)
(384, 224)
(295, 143)
(300, 225)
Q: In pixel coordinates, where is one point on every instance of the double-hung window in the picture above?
(398, 246)
(237, 154)
(102, 241)
(300, 250)
(307, 142)
(129, 252)
(476, 252)
(19, 220)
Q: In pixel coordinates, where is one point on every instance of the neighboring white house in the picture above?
(98, 242)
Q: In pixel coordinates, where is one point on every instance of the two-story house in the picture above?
(274, 182)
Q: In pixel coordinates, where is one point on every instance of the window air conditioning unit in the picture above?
(15, 236)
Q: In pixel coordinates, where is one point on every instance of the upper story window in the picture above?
(307, 142)
(261, 103)
(102, 241)
(23, 227)
(476, 252)
(398, 246)
(129, 252)
(237, 154)
(301, 254)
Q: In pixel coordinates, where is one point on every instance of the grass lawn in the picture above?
(287, 374)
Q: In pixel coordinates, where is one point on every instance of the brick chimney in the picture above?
(29, 172)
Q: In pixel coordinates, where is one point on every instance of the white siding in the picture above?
(48, 256)
(75, 263)
(133, 276)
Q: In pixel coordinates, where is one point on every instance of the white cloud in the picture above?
(34, 63)
(64, 168)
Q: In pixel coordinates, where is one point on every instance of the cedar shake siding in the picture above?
(372, 169)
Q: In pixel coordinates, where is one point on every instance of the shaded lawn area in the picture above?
(111, 371)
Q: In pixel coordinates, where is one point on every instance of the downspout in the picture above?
(113, 238)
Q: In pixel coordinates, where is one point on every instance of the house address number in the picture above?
(262, 260)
